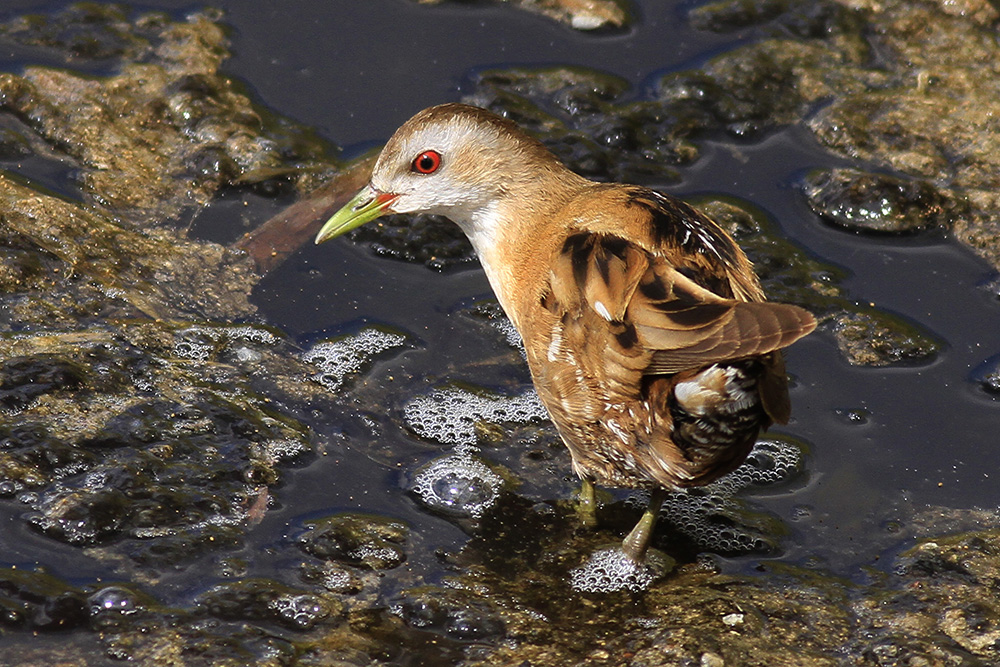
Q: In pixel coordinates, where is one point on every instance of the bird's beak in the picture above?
(365, 207)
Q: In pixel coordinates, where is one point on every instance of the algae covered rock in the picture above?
(262, 599)
(163, 133)
(121, 439)
(142, 422)
(150, 421)
(40, 602)
(78, 264)
(355, 539)
(878, 203)
(577, 14)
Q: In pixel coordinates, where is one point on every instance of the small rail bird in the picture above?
(646, 329)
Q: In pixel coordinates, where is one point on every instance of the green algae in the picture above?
(144, 428)
(356, 539)
(923, 107)
(879, 203)
(167, 130)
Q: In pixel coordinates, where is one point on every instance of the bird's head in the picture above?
(454, 160)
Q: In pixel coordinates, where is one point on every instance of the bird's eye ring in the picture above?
(427, 162)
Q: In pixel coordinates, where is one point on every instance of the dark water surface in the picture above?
(355, 70)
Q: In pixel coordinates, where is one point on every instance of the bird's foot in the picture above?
(636, 543)
(586, 506)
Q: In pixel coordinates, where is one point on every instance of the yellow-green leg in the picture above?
(636, 543)
(586, 508)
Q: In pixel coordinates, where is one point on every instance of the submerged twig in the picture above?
(271, 243)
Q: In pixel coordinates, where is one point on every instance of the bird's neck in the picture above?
(516, 234)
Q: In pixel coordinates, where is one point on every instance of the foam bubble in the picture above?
(457, 485)
(449, 415)
(302, 611)
(201, 342)
(609, 570)
(281, 449)
(336, 579)
(510, 333)
(339, 358)
(113, 600)
(9, 488)
(710, 516)
(494, 315)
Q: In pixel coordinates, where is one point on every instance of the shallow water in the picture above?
(928, 429)
(924, 436)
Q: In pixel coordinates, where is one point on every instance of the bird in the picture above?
(646, 330)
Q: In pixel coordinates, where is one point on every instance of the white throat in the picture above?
(484, 229)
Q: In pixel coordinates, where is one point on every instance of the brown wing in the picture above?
(689, 327)
(646, 302)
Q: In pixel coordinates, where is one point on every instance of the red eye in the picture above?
(427, 162)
